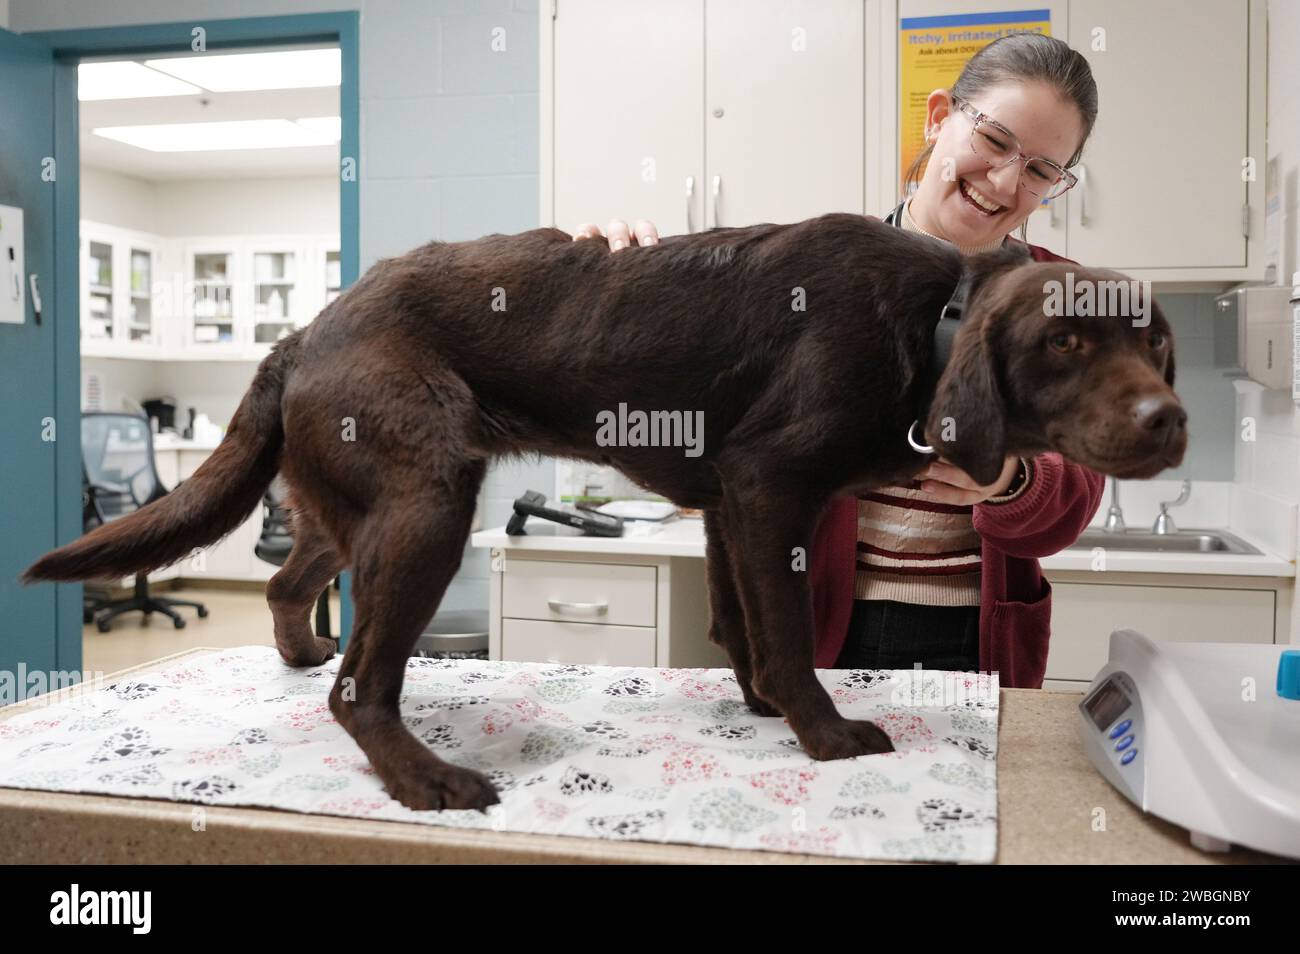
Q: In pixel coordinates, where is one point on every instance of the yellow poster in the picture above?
(931, 54)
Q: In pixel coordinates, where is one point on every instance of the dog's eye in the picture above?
(1063, 342)
(1156, 339)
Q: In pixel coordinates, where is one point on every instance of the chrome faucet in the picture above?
(1164, 522)
(1114, 516)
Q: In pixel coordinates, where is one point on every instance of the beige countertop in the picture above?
(684, 537)
(1049, 797)
(679, 537)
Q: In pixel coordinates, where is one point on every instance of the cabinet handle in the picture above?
(1083, 193)
(690, 201)
(578, 609)
(717, 187)
(36, 296)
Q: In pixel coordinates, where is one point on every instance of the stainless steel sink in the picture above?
(1181, 541)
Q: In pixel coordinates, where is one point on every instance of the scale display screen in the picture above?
(1106, 704)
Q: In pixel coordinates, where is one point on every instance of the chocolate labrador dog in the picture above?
(804, 351)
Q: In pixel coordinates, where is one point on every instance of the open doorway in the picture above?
(210, 228)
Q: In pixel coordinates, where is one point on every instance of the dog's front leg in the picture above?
(769, 533)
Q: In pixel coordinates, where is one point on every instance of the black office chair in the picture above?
(118, 477)
(276, 541)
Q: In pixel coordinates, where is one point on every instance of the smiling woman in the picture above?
(1002, 140)
(938, 561)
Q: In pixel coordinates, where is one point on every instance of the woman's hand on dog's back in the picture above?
(619, 235)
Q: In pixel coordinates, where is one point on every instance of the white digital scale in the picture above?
(1198, 734)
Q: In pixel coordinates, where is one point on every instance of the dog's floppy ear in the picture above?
(967, 420)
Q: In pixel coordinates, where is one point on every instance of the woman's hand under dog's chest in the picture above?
(948, 483)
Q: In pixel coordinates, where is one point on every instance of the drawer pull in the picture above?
(578, 609)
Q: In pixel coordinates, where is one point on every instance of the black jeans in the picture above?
(884, 634)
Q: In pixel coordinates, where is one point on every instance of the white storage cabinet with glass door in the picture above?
(248, 293)
(119, 315)
(187, 298)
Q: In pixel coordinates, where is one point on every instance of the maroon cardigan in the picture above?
(1015, 599)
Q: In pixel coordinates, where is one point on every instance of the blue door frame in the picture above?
(69, 47)
(30, 404)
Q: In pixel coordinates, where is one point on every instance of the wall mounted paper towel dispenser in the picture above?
(1265, 339)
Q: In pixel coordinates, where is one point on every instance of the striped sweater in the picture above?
(914, 549)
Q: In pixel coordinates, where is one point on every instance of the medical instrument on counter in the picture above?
(533, 504)
(1204, 735)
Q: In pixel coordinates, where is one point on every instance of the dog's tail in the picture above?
(201, 510)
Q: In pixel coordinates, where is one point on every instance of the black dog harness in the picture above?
(944, 332)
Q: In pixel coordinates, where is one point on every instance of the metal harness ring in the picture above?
(917, 445)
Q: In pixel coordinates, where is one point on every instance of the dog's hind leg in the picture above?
(405, 553)
(727, 625)
(292, 592)
(768, 519)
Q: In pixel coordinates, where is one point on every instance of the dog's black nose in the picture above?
(1162, 416)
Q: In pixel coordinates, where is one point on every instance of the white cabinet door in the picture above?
(785, 110)
(1084, 614)
(277, 292)
(1163, 185)
(217, 323)
(628, 113)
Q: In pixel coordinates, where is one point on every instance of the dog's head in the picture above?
(1051, 356)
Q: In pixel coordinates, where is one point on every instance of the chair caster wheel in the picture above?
(179, 623)
(103, 626)
(203, 612)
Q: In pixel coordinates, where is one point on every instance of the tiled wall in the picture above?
(1206, 350)
(450, 151)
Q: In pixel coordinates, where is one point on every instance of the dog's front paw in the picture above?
(448, 787)
(846, 739)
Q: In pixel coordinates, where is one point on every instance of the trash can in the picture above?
(454, 634)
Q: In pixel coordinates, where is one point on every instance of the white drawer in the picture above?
(1083, 615)
(579, 592)
(593, 644)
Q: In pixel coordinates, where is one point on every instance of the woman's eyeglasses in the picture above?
(998, 147)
